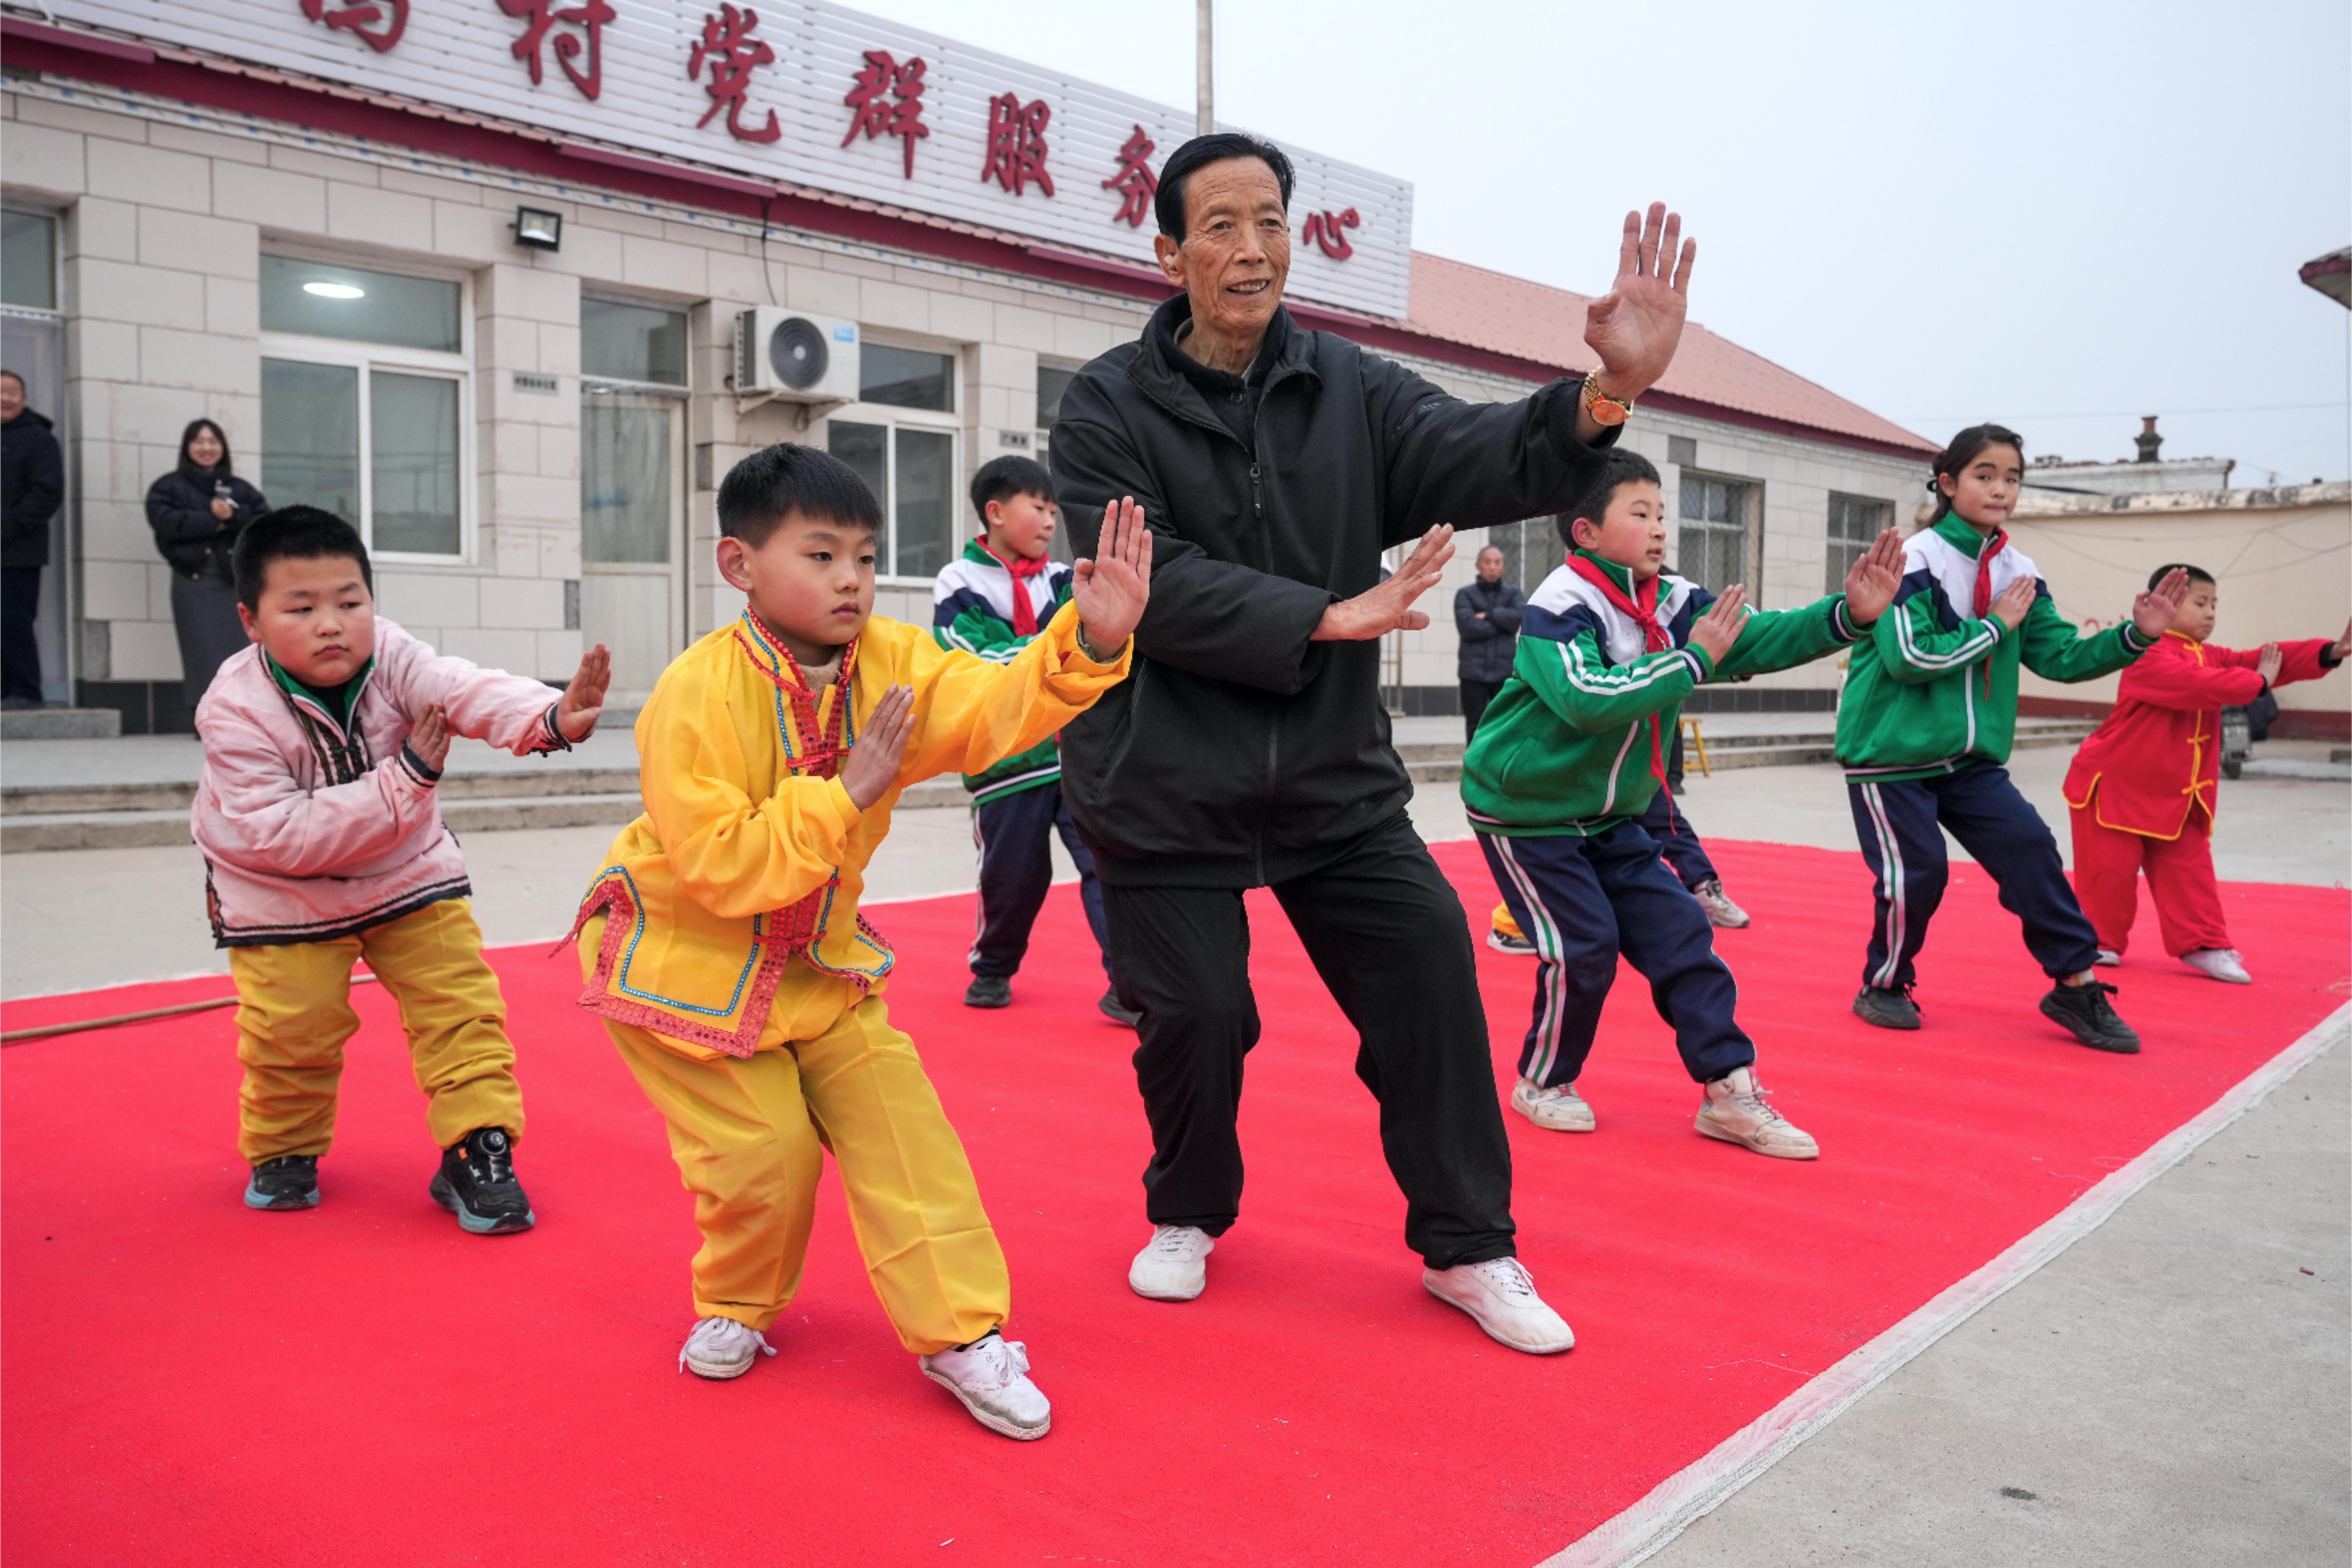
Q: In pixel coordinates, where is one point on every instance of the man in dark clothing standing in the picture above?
(1250, 748)
(1486, 614)
(32, 485)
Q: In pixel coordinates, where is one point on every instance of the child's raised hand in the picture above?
(2152, 612)
(1111, 589)
(2012, 603)
(584, 700)
(1871, 586)
(2267, 665)
(874, 761)
(429, 739)
(1717, 630)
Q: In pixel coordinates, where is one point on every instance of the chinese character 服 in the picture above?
(1016, 143)
(1328, 230)
(377, 23)
(883, 80)
(543, 16)
(1135, 181)
(727, 43)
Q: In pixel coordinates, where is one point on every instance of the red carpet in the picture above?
(189, 1383)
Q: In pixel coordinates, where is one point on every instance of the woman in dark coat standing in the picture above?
(197, 510)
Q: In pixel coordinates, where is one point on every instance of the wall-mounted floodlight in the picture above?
(537, 230)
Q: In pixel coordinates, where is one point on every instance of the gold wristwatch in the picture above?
(1605, 410)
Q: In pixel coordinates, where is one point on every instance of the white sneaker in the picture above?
(1720, 909)
(1558, 1110)
(2108, 957)
(1173, 1265)
(1501, 1295)
(1737, 1111)
(2219, 964)
(991, 1377)
(1503, 941)
(722, 1348)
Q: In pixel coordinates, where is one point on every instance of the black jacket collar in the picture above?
(1180, 384)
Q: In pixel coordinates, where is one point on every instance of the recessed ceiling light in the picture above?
(334, 290)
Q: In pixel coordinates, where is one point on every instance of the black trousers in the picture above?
(20, 651)
(1014, 835)
(1386, 932)
(1475, 695)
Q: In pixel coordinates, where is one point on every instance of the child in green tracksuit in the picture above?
(1568, 757)
(1924, 729)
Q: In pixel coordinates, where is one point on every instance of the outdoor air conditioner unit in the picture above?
(791, 357)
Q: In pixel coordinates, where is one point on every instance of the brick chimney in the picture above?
(2147, 439)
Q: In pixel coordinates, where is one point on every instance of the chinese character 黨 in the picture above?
(883, 79)
(590, 17)
(727, 43)
(1016, 143)
(378, 23)
(1135, 181)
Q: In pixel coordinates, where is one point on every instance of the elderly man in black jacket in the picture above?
(1486, 613)
(32, 486)
(1250, 748)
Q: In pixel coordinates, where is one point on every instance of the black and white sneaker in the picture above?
(988, 990)
(2086, 1013)
(476, 1182)
(289, 1182)
(1887, 1009)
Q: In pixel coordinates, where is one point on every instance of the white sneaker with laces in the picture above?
(1173, 1265)
(1561, 1109)
(2222, 963)
(991, 1375)
(2108, 957)
(1736, 1112)
(721, 1348)
(1720, 909)
(1500, 1296)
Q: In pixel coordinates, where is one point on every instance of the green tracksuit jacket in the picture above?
(971, 608)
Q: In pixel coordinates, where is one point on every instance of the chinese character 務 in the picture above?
(1135, 181)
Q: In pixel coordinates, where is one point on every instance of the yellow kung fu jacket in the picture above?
(749, 854)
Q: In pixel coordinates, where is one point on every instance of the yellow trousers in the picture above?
(294, 1013)
(748, 1136)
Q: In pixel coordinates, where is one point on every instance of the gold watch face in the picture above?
(1606, 410)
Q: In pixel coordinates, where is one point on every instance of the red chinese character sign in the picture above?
(732, 53)
(1016, 143)
(542, 18)
(1328, 229)
(378, 24)
(888, 98)
(1134, 181)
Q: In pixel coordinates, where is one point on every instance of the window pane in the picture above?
(412, 462)
(633, 342)
(1051, 384)
(321, 300)
(865, 447)
(310, 437)
(28, 260)
(906, 378)
(925, 512)
(625, 482)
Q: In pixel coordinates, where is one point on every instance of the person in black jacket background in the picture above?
(32, 486)
(196, 511)
(1486, 613)
(1250, 747)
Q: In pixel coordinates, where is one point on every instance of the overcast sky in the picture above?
(2061, 216)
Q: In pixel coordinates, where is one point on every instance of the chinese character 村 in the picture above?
(1016, 143)
(727, 43)
(1328, 230)
(378, 23)
(589, 17)
(1135, 181)
(882, 81)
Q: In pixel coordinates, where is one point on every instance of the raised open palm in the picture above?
(1635, 326)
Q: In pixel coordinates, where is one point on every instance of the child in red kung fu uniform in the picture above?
(2142, 787)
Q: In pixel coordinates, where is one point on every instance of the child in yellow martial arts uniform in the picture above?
(722, 941)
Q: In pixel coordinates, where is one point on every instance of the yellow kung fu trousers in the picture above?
(294, 1013)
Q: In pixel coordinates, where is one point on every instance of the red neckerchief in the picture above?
(1655, 639)
(1023, 567)
(1981, 601)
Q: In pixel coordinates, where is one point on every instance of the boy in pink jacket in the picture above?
(323, 844)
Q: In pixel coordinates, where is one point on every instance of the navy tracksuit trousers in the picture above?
(1898, 821)
(1664, 822)
(1014, 834)
(1584, 900)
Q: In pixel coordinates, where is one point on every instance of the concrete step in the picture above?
(59, 724)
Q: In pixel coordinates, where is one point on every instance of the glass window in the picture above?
(1531, 551)
(1713, 548)
(913, 472)
(632, 342)
(310, 435)
(906, 378)
(28, 260)
(1854, 523)
(626, 488)
(1052, 382)
(318, 299)
(412, 463)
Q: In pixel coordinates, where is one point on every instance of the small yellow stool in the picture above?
(1695, 744)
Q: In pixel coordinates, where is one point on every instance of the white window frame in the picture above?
(947, 422)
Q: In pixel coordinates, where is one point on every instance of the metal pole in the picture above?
(1205, 121)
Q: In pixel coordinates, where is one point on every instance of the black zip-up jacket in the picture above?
(1489, 646)
(32, 485)
(195, 543)
(1240, 752)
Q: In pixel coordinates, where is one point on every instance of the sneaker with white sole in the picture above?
(1558, 1110)
(1507, 941)
(1737, 1111)
(2108, 957)
(721, 1348)
(1173, 1265)
(1720, 909)
(1500, 1296)
(2224, 963)
(991, 1375)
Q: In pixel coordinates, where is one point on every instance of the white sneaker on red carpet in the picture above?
(2108, 957)
(1720, 909)
(1737, 1111)
(1500, 1296)
(991, 1375)
(721, 1348)
(2223, 963)
(1173, 1265)
(1560, 1109)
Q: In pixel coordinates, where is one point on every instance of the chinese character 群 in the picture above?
(1016, 143)
(1135, 181)
(727, 43)
(378, 23)
(883, 79)
(1327, 230)
(589, 17)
